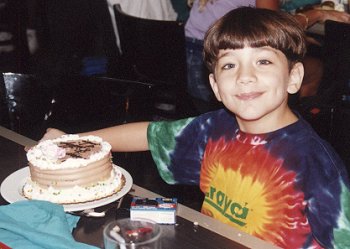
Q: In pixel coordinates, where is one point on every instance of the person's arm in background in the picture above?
(123, 138)
(309, 17)
(268, 4)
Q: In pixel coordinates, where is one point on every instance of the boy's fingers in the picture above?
(26, 148)
(52, 133)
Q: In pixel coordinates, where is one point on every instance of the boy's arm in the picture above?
(123, 138)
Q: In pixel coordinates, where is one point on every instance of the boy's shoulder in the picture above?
(300, 141)
(302, 136)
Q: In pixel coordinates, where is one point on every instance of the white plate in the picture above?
(11, 190)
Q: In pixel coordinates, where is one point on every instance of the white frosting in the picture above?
(46, 154)
(76, 194)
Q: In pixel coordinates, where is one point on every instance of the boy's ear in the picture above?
(295, 78)
(214, 86)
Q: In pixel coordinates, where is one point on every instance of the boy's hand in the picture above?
(51, 133)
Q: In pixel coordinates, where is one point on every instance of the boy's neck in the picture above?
(267, 124)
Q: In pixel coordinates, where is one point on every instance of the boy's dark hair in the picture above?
(254, 27)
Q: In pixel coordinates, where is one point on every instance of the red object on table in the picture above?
(139, 231)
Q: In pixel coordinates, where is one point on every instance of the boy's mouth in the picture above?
(249, 96)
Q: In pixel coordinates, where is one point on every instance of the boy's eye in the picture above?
(264, 62)
(229, 66)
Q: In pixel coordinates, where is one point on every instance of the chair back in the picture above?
(154, 50)
(4, 111)
(335, 85)
(27, 101)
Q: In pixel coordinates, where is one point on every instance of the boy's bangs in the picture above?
(237, 39)
(257, 35)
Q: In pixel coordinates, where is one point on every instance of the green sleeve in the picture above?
(342, 233)
(161, 137)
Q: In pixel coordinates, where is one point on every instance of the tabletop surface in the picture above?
(209, 233)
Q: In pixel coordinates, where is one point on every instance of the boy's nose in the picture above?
(246, 75)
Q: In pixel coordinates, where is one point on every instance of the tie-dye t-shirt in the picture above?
(287, 187)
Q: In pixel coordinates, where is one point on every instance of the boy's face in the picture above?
(254, 84)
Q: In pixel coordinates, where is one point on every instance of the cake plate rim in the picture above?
(11, 190)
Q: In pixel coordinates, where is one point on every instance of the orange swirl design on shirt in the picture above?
(249, 189)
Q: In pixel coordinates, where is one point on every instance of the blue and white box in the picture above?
(160, 210)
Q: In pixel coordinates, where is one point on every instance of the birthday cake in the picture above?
(72, 169)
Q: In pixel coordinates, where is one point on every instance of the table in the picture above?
(208, 234)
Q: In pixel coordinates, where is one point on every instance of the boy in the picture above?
(261, 167)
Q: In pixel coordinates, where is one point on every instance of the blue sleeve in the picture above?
(328, 197)
(178, 147)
